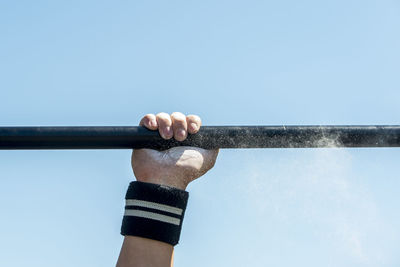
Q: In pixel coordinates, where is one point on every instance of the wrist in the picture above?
(154, 211)
(176, 183)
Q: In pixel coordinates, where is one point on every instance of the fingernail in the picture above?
(193, 126)
(168, 132)
(181, 133)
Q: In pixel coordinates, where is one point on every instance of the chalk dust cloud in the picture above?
(318, 188)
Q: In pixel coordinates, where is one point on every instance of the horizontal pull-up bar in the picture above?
(210, 137)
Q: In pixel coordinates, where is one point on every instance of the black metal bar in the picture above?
(210, 137)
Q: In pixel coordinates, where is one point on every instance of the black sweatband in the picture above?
(154, 211)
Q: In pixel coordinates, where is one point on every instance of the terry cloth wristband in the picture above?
(154, 211)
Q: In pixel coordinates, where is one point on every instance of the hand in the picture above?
(177, 166)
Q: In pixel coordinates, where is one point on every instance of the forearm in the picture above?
(143, 252)
(152, 224)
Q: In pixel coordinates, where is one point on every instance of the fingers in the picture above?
(179, 126)
(194, 123)
(176, 125)
(164, 125)
(149, 121)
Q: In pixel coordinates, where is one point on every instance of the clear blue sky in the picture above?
(233, 63)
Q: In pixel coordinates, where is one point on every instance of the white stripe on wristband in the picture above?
(153, 205)
(153, 216)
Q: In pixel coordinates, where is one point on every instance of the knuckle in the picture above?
(163, 118)
(178, 117)
(162, 115)
(148, 116)
(194, 118)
